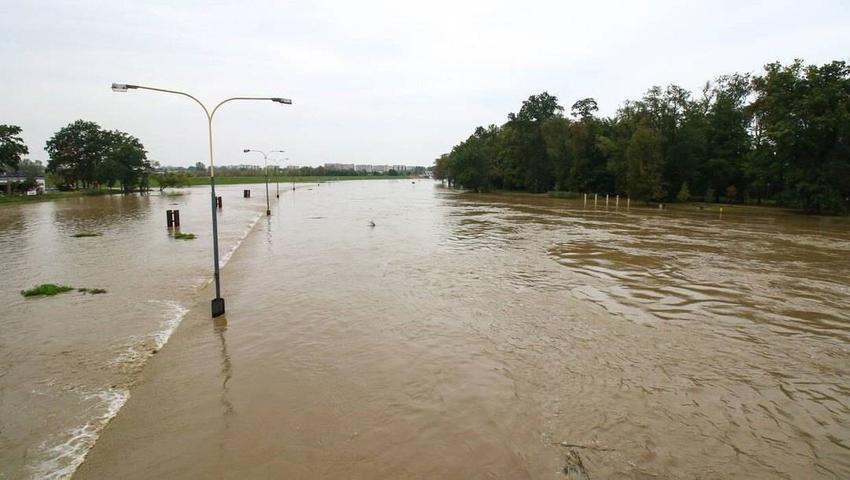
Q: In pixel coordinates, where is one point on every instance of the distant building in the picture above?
(9, 180)
(339, 166)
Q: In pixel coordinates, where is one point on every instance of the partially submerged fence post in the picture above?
(176, 218)
(585, 200)
(169, 218)
(606, 201)
(595, 197)
(218, 202)
(628, 202)
(617, 202)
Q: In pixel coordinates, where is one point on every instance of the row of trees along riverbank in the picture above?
(781, 136)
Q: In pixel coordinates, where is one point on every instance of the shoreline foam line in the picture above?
(69, 454)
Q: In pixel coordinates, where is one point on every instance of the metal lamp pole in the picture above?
(277, 174)
(266, 160)
(217, 306)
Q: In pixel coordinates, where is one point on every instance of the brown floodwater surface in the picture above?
(67, 363)
(489, 336)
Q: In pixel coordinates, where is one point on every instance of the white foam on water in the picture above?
(238, 243)
(64, 458)
(169, 323)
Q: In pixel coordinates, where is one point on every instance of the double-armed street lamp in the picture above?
(266, 160)
(217, 306)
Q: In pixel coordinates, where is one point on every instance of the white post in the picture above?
(628, 202)
(594, 200)
(606, 201)
(585, 200)
(617, 202)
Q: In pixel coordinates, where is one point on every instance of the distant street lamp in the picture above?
(218, 302)
(266, 160)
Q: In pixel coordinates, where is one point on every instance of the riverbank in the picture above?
(697, 207)
(288, 179)
(193, 181)
(51, 196)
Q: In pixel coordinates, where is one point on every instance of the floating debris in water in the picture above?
(93, 291)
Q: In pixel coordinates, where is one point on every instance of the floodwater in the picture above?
(462, 336)
(67, 363)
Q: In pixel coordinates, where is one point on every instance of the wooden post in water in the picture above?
(169, 218)
(617, 202)
(585, 200)
(218, 202)
(176, 218)
(595, 196)
(606, 201)
(628, 202)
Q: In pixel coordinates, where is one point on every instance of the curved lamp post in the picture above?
(217, 302)
(277, 174)
(266, 160)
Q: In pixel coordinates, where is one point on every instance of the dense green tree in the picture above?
(82, 154)
(782, 136)
(645, 164)
(12, 147)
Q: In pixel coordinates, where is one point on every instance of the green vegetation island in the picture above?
(781, 137)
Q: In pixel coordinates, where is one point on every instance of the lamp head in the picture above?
(122, 87)
(285, 101)
(246, 150)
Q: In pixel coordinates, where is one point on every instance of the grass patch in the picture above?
(86, 234)
(93, 291)
(46, 289)
(560, 194)
(184, 236)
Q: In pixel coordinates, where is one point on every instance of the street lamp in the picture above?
(277, 174)
(217, 305)
(266, 160)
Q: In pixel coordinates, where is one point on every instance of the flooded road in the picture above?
(497, 336)
(67, 362)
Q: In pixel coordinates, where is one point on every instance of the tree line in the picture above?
(781, 136)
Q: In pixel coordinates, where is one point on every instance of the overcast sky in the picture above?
(372, 82)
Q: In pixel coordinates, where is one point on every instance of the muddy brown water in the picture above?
(472, 336)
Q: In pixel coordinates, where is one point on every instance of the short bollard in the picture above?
(218, 202)
(177, 218)
(169, 218)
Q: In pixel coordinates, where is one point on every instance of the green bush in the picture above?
(46, 289)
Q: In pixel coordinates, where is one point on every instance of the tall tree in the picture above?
(12, 147)
(645, 164)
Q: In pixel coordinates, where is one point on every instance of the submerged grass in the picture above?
(184, 236)
(86, 234)
(46, 289)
